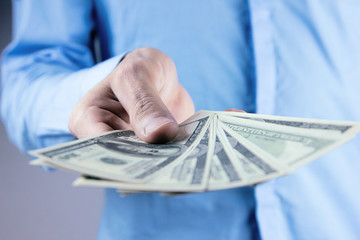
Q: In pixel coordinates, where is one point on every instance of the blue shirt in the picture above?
(291, 58)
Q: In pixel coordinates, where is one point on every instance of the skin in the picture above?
(142, 94)
(234, 110)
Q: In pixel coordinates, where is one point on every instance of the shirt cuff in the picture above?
(99, 72)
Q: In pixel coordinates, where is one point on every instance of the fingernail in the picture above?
(155, 124)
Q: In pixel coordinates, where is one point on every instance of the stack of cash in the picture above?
(212, 151)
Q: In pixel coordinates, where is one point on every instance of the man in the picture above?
(281, 57)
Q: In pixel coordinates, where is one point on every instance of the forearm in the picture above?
(47, 68)
(37, 100)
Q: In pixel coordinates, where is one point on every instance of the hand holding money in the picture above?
(141, 94)
(212, 151)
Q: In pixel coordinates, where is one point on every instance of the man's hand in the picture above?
(142, 94)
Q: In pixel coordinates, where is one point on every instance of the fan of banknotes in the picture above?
(212, 151)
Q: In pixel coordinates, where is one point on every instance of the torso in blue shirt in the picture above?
(208, 41)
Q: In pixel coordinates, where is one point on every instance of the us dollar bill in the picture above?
(223, 173)
(290, 146)
(120, 155)
(340, 127)
(188, 175)
(243, 164)
(213, 151)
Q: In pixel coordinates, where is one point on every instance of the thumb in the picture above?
(149, 117)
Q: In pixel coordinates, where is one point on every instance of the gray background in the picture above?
(35, 204)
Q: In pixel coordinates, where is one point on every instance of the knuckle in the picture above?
(146, 63)
(101, 115)
(71, 127)
(168, 62)
(144, 105)
(93, 114)
(110, 118)
(147, 50)
(138, 66)
(73, 124)
(133, 69)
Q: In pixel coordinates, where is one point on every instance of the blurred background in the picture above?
(35, 204)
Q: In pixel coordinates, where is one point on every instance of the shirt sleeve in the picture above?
(47, 68)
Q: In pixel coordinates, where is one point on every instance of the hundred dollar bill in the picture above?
(223, 173)
(185, 176)
(188, 175)
(341, 127)
(243, 164)
(291, 147)
(258, 166)
(120, 155)
(213, 150)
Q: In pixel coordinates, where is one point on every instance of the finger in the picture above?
(114, 107)
(94, 129)
(234, 110)
(102, 96)
(95, 121)
(149, 117)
